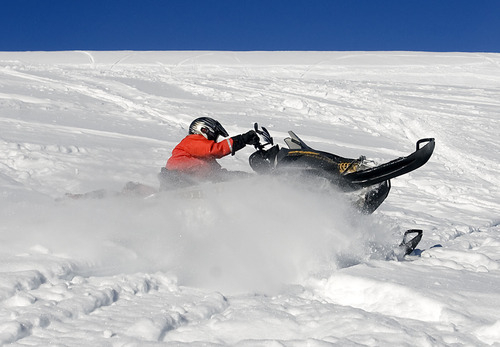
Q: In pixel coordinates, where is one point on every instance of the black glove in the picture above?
(250, 138)
(240, 141)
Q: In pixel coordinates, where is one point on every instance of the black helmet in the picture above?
(207, 127)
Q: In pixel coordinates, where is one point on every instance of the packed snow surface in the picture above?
(262, 261)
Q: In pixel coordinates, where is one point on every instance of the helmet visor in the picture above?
(219, 130)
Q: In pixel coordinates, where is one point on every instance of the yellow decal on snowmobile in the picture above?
(350, 167)
(346, 167)
(303, 153)
(312, 154)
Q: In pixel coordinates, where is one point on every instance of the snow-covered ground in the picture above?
(258, 262)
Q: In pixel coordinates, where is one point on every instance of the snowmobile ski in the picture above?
(411, 239)
(351, 174)
(374, 197)
(394, 168)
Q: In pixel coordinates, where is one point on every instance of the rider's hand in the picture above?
(240, 141)
(250, 137)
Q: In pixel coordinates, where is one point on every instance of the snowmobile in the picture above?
(371, 182)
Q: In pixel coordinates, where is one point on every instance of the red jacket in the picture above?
(196, 155)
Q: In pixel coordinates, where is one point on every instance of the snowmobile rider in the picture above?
(195, 156)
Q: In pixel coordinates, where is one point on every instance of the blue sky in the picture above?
(334, 25)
